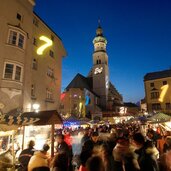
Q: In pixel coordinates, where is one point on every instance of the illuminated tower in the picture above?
(100, 67)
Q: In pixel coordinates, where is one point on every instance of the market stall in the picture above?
(43, 131)
(9, 126)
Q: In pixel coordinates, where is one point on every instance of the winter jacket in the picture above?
(25, 156)
(39, 159)
(124, 158)
(147, 159)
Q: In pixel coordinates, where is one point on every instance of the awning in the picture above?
(17, 120)
(45, 117)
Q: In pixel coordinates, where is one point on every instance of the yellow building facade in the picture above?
(30, 60)
(158, 91)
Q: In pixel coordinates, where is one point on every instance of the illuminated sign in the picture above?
(107, 82)
(48, 43)
(123, 110)
(163, 92)
(98, 70)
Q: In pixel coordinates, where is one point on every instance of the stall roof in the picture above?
(45, 117)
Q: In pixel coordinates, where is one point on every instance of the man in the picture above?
(92, 142)
(62, 147)
(146, 153)
(26, 154)
(85, 137)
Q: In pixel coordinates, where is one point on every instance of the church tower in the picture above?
(100, 67)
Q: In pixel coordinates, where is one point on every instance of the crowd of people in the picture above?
(123, 147)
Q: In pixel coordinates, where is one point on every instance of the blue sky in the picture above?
(138, 34)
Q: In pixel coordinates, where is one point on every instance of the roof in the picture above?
(46, 117)
(79, 81)
(157, 75)
(129, 104)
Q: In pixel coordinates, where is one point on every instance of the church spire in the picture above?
(99, 30)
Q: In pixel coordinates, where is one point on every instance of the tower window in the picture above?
(99, 61)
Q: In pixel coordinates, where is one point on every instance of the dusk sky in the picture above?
(138, 34)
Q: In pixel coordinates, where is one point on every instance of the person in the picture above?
(85, 137)
(92, 142)
(167, 144)
(25, 155)
(146, 154)
(124, 157)
(40, 160)
(95, 163)
(62, 147)
(87, 149)
(60, 162)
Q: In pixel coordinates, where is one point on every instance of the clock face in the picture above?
(98, 70)
(47, 44)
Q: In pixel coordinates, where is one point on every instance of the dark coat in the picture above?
(146, 160)
(25, 156)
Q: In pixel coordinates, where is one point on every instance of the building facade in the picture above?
(98, 94)
(30, 60)
(158, 91)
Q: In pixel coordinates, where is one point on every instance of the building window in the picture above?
(154, 95)
(52, 37)
(156, 106)
(151, 84)
(36, 22)
(51, 53)
(34, 41)
(34, 64)
(168, 106)
(19, 16)
(13, 71)
(32, 90)
(50, 72)
(49, 94)
(164, 82)
(16, 38)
